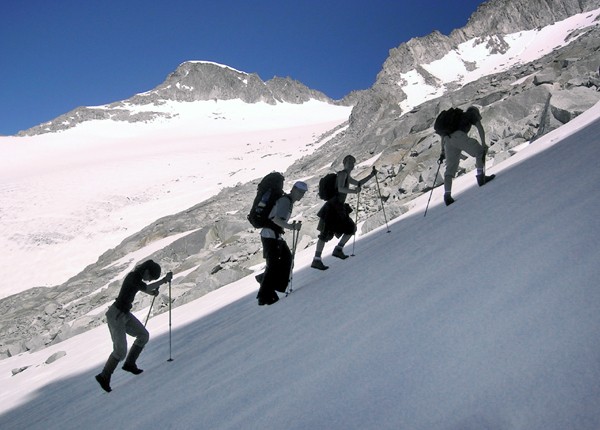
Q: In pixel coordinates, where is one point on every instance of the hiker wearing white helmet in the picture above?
(275, 249)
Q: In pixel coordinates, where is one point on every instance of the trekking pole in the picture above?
(170, 357)
(356, 222)
(382, 206)
(149, 310)
(432, 187)
(295, 236)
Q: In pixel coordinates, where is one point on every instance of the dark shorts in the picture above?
(334, 220)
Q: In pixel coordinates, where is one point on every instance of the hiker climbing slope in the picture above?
(275, 249)
(121, 322)
(334, 216)
(455, 139)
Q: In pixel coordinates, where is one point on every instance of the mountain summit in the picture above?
(203, 80)
(192, 81)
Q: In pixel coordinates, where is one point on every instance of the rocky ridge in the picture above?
(216, 244)
(191, 81)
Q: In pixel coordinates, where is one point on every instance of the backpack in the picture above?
(328, 186)
(448, 121)
(268, 191)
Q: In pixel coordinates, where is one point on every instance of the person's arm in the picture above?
(443, 153)
(481, 133)
(282, 211)
(368, 178)
(341, 183)
(152, 288)
(284, 224)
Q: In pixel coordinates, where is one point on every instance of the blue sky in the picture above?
(58, 55)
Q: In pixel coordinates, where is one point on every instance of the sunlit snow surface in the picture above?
(67, 197)
(482, 315)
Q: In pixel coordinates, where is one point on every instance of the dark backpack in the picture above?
(268, 191)
(328, 186)
(448, 121)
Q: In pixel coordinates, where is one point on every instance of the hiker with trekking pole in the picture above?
(279, 258)
(334, 216)
(453, 125)
(121, 322)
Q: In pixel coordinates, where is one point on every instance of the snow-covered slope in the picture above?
(69, 196)
(484, 314)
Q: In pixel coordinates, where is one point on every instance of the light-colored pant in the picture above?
(122, 324)
(454, 144)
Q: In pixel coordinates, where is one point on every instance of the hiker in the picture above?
(459, 141)
(334, 216)
(121, 322)
(275, 249)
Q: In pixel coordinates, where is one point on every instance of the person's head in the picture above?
(149, 270)
(473, 114)
(349, 162)
(298, 190)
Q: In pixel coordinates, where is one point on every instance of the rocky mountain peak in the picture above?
(192, 81)
(510, 16)
(203, 80)
(492, 19)
(488, 26)
(200, 80)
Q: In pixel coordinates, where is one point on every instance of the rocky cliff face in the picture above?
(488, 25)
(518, 105)
(492, 20)
(510, 16)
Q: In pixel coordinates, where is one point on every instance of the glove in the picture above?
(442, 158)
(169, 276)
(374, 171)
(297, 225)
(154, 292)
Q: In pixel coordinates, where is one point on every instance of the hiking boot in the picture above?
(129, 365)
(268, 302)
(132, 368)
(104, 383)
(482, 179)
(318, 264)
(103, 377)
(338, 252)
(448, 199)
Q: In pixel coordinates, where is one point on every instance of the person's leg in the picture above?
(324, 236)
(103, 377)
(136, 329)
(452, 151)
(116, 326)
(349, 229)
(284, 266)
(266, 292)
(475, 149)
(319, 248)
(317, 262)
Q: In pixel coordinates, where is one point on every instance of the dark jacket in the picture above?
(131, 285)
